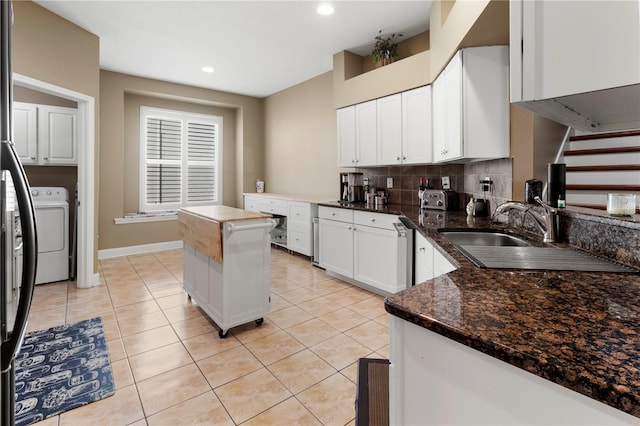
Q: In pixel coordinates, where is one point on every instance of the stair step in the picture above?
(608, 177)
(604, 188)
(605, 135)
(604, 168)
(599, 151)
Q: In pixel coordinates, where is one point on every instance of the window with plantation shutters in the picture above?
(180, 159)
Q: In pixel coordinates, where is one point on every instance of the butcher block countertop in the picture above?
(201, 227)
(223, 214)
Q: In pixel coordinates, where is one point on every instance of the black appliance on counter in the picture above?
(351, 187)
(15, 300)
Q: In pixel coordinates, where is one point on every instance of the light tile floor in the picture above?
(171, 368)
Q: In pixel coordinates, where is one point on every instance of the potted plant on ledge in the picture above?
(385, 49)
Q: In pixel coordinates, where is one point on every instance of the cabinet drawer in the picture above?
(299, 212)
(273, 205)
(332, 213)
(377, 220)
(299, 239)
(252, 203)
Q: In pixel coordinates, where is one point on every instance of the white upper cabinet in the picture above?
(346, 124)
(45, 135)
(389, 122)
(471, 106)
(577, 62)
(25, 132)
(366, 134)
(357, 138)
(57, 138)
(392, 130)
(416, 126)
(404, 127)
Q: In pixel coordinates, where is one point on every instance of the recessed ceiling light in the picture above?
(207, 69)
(325, 9)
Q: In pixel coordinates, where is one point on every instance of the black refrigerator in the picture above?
(15, 300)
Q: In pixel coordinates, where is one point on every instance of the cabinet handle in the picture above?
(46, 158)
(349, 228)
(398, 158)
(353, 161)
(333, 214)
(373, 219)
(421, 249)
(404, 158)
(33, 157)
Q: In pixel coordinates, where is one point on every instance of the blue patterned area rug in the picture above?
(60, 369)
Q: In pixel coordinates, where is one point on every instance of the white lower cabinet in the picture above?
(364, 247)
(423, 259)
(300, 227)
(428, 261)
(375, 254)
(299, 219)
(336, 246)
(434, 380)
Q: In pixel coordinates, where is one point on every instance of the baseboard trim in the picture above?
(140, 249)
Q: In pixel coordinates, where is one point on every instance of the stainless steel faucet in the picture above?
(545, 222)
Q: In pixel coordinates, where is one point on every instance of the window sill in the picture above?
(146, 217)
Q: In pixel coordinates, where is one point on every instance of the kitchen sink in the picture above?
(484, 238)
(498, 250)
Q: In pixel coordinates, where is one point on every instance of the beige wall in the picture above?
(49, 48)
(22, 94)
(535, 141)
(453, 25)
(121, 96)
(300, 139)
(131, 163)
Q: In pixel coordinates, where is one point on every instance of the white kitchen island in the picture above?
(227, 260)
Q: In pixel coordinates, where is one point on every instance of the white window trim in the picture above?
(150, 112)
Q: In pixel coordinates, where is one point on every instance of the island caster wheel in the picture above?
(259, 321)
(222, 334)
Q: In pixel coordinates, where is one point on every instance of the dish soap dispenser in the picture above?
(470, 207)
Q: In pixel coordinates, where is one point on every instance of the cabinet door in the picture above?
(416, 126)
(346, 124)
(389, 129)
(25, 132)
(453, 108)
(366, 134)
(57, 136)
(439, 124)
(423, 259)
(555, 66)
(376, 258)
(336, 247)
(441, 265)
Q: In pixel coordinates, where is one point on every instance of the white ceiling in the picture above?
(256, 47)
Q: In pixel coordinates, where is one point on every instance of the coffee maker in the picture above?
(351, 187)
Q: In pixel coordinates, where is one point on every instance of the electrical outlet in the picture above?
(365, 181)
(446, 184)
(486, 184)
(389, 183)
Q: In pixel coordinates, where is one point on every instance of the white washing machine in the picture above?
(51, 205)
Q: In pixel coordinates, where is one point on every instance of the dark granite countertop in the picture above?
(577, 329)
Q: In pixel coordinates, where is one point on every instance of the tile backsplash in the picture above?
(464, 179)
